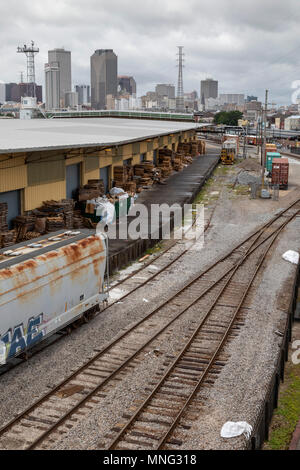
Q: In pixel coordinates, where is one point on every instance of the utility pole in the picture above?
(180, 95)
(244, 147)
(264, 144)
(258, 132)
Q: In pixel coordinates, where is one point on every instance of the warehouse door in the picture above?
(72, 180)
(104, 175)
(155, 157)
(12, 198)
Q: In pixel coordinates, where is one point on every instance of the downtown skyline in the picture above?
(231, 45)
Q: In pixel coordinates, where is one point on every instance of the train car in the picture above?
(47, 285)
(229, 152)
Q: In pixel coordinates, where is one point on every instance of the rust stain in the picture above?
(24, 273)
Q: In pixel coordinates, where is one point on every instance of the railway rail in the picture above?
(89, 315)
(198, 362)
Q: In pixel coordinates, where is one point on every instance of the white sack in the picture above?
(291, 256)
(231, 429)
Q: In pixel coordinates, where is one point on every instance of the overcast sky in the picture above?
(246, 46)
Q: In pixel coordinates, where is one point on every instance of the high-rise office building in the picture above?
(163, 89)
(21, 90)
(127, 85)
(8, 90)
(251, 98)
(232, 98)
(104, 77)
(209, 89)
(2, 92)
(83, 91)
(71, 99)
(63, 59)
(52, 82)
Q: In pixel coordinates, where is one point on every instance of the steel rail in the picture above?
(251, 249)
(209, 365)
(143, 346)
(42, 347)
(113, 342)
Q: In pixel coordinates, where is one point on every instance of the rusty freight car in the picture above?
(47, 285)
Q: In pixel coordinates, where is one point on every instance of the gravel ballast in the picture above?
(239, 390)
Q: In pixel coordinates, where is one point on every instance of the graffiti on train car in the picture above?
(20, 337)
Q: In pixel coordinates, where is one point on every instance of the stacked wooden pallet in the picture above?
(120, 176)
(3, 217)
(187, 159)
(78, 219)
(165, 165)
(93, 189)
(68, 211)
(25, 221)
(144, 172)
(65, 207)
(8, 238)
(178, 162)
(130, 187)
(54, 223)
(24, 224)
(194, 149)
(184, 148)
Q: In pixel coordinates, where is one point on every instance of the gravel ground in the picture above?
(237, 393)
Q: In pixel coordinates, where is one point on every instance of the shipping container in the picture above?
(47, 285)
(280, 172)
(269, 160)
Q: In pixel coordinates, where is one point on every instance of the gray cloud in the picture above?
(247, 46)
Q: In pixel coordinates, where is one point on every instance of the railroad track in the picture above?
(291, 155)
(152, 264)
(51, 417)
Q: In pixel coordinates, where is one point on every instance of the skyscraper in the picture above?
(127, 85)
(209, 89)
(63, 59)
(83, 94)
(163, 89)
(104, 77)
(52, 82)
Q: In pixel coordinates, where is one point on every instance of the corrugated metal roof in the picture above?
(41, 134)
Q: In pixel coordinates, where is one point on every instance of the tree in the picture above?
(229, 118)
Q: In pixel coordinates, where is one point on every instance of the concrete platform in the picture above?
(181, 188)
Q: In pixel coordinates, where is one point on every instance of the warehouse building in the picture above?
(50, 159)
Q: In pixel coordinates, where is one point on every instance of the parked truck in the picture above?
(47, 285)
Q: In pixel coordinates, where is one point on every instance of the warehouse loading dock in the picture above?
(50, 160)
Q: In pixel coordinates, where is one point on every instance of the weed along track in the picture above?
(209, 309)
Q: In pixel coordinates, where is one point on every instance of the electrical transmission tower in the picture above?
(180, 97)
(30, 52)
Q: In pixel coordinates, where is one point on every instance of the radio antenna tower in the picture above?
(180, 97)
(30, 52)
